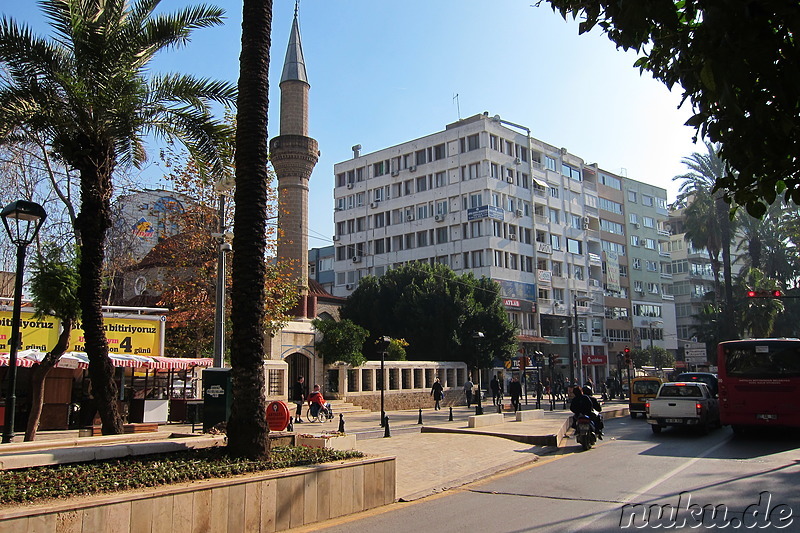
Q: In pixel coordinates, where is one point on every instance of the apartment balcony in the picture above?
(540, 219)
(664, 233)
(589, 186)
(594, 259)
(544, 276)
(540, 193)
(667, 296)
(664, 254)
(664, 275)
(593, 235)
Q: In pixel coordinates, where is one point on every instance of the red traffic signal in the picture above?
(765, 293)
(627, 350)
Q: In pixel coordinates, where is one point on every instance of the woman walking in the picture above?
(438, 393)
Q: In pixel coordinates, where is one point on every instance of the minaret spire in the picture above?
(293, 155)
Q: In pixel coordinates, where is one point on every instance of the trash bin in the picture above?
(217, 396)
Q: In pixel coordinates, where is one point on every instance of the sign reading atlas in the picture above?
(137, 336)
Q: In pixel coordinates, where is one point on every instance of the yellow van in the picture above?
(644, 388)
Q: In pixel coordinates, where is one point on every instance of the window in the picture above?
(550, 163)
(637, 263)
(438, 152)
(441, 235)
(469, 143)
(493, 142)
(557, 268)
(422, 211)
(475, 228)
(652, 266)
(650, 244)
(419, 157)
(440, 179)
(379, 246)
(475, 200)
(558, 295)
(554, 192)
(555, 242)
(554, 216)
(609, 246)
(647, 200)
(379, 168)
(441, 207)
(632, 196)
(470, 172)
(422, 239)
(647, 310)
(477, 259)
(495, 199)
(494, 171)
(637, 286)
(422, 183)
(577, 272)
(617, 313)
(610, 181)
(570, 172)
(649, 222)
(574, 246)
(609, 205)
(611, 227)
(634, 240)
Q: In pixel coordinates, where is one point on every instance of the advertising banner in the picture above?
(40, 334)
(612, 271)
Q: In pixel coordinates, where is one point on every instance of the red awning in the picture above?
(532, 339)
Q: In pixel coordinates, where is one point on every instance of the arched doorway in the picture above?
(298, 366)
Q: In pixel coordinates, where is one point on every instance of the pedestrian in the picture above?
(438, 393)
(494, 385)
(515, 390)
(299, 398)
(468, 385)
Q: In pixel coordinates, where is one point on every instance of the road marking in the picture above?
(672, 473)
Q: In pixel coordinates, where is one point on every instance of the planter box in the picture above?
(335, 442)
(264, 502)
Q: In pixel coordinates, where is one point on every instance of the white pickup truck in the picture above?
(683, 404)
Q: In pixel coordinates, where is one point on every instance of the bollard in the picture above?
(290, 427)
(451, 415)
(341, 423)
(419, 420)
(386, 433)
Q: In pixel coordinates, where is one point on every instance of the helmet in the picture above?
(588, 391)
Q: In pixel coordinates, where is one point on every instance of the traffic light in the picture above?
(765, 293)
(627, 356)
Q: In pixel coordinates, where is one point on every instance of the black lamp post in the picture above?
(384, 345)
(478, 336)
(22, 220)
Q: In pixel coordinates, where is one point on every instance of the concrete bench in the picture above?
(530, 414)
(476, 421)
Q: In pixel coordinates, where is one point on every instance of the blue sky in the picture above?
(383, 73)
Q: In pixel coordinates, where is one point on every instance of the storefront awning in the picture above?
(80, 360)
(532, 339)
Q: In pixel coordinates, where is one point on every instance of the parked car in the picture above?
(705, 377)
(683, 404)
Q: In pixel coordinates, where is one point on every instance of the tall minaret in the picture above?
(293, 155)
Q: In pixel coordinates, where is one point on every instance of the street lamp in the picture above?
(223, 246)
(575, 300)
(22, 220)
(478, 336)
(384, 345)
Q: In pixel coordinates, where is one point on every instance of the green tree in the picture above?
(660, 357)
(342, 342)
(738, 65)
(765, 243)
(436, 312)
(88, 93)
(396, 351)
(54, 291)
(248, 434)
(708, 223)
(706, 328)
(758, 315)
(641, 357)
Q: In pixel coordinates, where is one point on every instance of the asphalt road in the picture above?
(751, 482)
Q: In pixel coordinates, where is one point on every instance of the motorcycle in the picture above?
(585, 432)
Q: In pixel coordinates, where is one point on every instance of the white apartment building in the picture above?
(485, 196)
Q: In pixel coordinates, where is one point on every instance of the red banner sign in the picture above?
(594, 359)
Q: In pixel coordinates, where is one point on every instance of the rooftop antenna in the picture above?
(296, 6)
(458, 105)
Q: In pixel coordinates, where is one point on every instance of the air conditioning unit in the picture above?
(518, 212)
(336, 237)
(412, 168)
(559, 302)
(438, 218)
(395, 172)
(350, 185)
(409, 217)
(373, 205)
(349, 286)
(585, 225)
(586, 221)
(356, 259)
(513, 237)
(510, 179)
(517, 161)
(637, 225)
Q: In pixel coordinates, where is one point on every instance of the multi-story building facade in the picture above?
(485, 196)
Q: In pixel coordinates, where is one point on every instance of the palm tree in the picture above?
(767, 241)
(248, 434)
(758, 315)
(87, 92)
(699, 184)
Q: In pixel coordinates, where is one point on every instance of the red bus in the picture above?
(759, 383)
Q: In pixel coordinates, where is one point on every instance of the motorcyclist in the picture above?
(587, 405)
(595, 414)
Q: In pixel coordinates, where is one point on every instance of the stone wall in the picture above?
(396, 401)
(264, 502)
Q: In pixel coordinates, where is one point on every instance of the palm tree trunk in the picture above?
(729, 316)
(93, 221)
(248, 434)
(38, 377)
